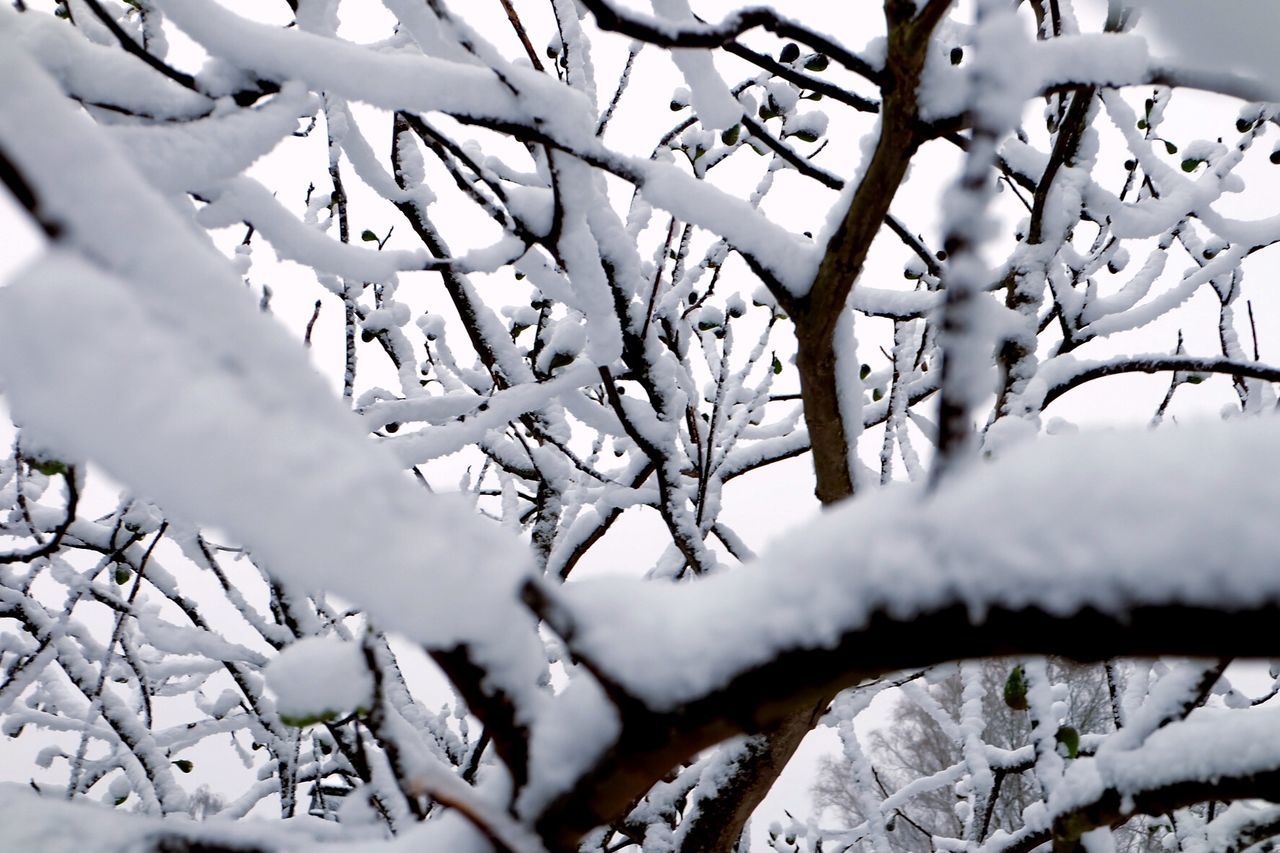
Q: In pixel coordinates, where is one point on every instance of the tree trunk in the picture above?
(721, 820)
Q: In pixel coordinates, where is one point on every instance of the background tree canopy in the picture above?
(400, 392)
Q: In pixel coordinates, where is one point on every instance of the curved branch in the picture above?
(242, 98)
(763, 697)
(55, 541)
(669, 34)
(26, 197)
(1008, 559)
(800, 164)
(804, 81)
(1113, 807)
(1155, 364)
(913, 243)
(131, 47)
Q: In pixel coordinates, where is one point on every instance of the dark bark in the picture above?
(780, 697)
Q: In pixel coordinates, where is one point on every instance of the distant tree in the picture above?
(919, 741)
(341, 353)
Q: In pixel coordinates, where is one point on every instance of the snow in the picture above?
(1150, 310)
(391, 80)
(320, 678)
(583, 253)
(580, 69)
(576, 730)
(193, 437)
(243, 199)
(1234, 36)
(714, 104)
(849, 390)
(201, 153)
(371, 171)
(34, 822)
(96, 73)
(424, 83)
(1030, 529)
(791, 257)
(1207, 747)
(1032, 66)
(474, 418)
(226, 422)
(188, 640)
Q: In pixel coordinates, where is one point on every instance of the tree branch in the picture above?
(669, 34)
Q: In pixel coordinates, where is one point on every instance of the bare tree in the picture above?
(343, 349)
(918, 741)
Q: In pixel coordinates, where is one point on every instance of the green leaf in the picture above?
(49, 467)
(817, 62)
(184, 765)
(1015, 689)
(1142, 124)
(877, 394)
(790, 52)
(864, 371)
(1244, 125)
(729, 136)
(368, 236)
(776, 366)
(957, 55)
(1170, 147)
(123, 574)
(1069, 739)
(1191, 164)
(301, 722)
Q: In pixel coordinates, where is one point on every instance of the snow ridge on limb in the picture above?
(896, 559)
(858, 592)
